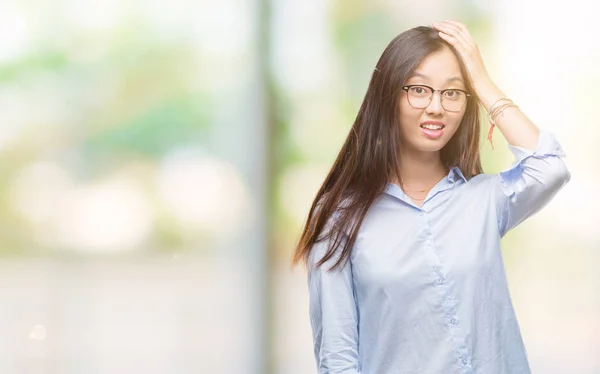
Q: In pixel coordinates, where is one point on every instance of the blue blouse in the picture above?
(425, 290)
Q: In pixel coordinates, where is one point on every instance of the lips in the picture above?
(432, 129)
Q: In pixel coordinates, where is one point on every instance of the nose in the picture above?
(435, 106)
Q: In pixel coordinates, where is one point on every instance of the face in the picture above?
(440, 70)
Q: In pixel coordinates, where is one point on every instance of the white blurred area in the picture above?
(549, 64)
(202, 193)
(109, 215)
(96, 291)
(97, 297)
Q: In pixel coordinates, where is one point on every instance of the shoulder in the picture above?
(482, 186)
(483, 180)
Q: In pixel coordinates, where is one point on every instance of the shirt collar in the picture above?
(455, 174)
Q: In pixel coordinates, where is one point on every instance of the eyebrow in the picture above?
(452, 79)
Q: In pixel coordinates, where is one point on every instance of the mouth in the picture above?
(432, 130)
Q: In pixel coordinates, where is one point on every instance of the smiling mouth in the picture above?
(432, 127)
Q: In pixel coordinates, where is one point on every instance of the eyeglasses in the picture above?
(419, 96)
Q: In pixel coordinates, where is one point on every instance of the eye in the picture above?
(453, 94)
(419, 91)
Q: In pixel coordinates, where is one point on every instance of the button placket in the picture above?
(440, 277)
(443, 288)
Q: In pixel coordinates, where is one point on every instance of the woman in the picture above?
(402, 241)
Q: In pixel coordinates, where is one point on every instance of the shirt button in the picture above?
(453, 321)
(464, 361)
(428, 242)
(440, 281)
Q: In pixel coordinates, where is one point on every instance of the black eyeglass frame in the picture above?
(433, 91)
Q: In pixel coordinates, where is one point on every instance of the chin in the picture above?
(431, 145)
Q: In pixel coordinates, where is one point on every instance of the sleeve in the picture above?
(333, 314)
(533, 180)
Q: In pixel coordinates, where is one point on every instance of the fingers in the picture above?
(452, 30)
(451, 39)
(458, 27)
(461, 26)
(455, 33)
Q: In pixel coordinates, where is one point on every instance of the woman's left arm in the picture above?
(518, 130)
(539, 171)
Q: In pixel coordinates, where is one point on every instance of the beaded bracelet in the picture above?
(495, 104)
(494, 115)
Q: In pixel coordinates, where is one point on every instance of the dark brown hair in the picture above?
(369, 158)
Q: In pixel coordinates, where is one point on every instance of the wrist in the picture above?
(488, 93)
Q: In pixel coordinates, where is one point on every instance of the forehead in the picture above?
(439, 67)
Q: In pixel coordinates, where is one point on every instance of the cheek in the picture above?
(456, 120)
(408, 116)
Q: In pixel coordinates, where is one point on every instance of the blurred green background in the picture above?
(159, 158)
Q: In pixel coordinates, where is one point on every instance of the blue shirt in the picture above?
(425, 290)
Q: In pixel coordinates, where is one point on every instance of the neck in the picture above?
(420, 169)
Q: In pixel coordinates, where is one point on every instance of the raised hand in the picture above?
(459, 37)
